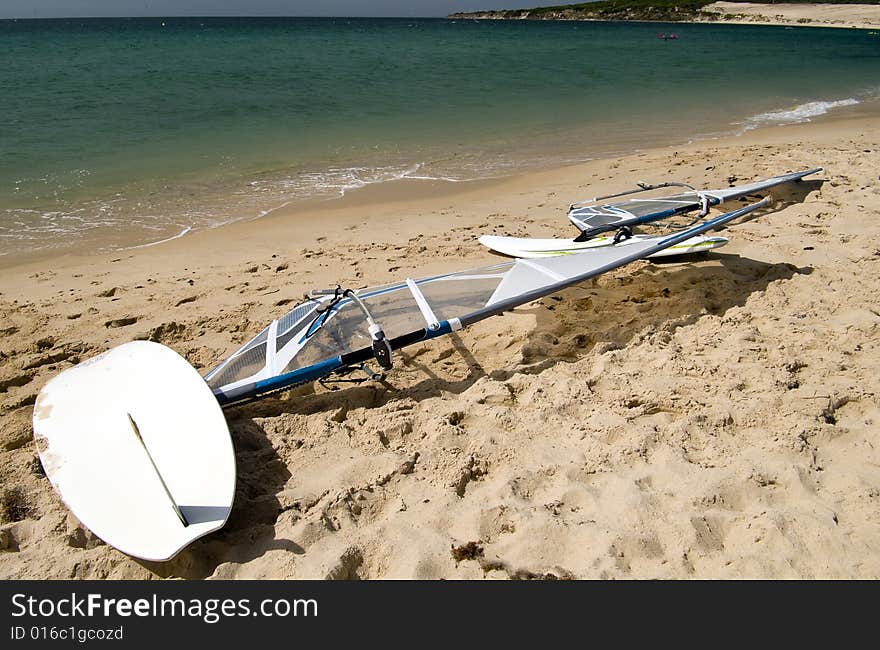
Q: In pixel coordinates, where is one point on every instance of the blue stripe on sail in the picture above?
(445, 328)
(655, 216)
(300, 375)
(292, 378)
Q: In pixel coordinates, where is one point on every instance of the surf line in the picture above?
(161, 241)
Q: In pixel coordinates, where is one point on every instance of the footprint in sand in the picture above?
(17, 380)
(166, 333)
(121, 322)
(709, 533)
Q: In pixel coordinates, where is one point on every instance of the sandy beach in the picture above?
(854, 16)
(711, 417)
(851, 16)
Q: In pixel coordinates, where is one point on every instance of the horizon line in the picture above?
(163, 16)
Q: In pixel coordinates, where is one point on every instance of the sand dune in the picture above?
(863, 16)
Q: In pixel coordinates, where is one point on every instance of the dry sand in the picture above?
(804, 15)
(715, 417)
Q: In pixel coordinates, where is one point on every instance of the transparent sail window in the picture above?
(292, 322)
(241, 366)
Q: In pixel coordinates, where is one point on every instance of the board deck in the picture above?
(528, 248)
(138, 448)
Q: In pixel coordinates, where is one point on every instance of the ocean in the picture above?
(126, 132)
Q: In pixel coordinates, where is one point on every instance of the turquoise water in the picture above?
(128, 131)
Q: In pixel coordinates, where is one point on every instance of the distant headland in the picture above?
(861, 15)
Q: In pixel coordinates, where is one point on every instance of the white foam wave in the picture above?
(434, 178)
(798, 114)
(161, 241)
(335, 182)
(151, 217)
(332, 182)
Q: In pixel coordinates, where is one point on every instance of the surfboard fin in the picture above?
(137, 433)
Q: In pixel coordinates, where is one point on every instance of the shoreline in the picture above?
(405, 188)
(713, 417)
(845, 16)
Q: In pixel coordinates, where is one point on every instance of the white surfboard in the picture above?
(525, 247)
(138, 448)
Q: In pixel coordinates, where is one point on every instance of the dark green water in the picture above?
(135, 129)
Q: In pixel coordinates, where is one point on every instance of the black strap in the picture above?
(622, 234)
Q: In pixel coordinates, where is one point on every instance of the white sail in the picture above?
(339, 329)
(596, 216)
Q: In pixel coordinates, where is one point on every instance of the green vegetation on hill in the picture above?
(669, 10)
(625, 9)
